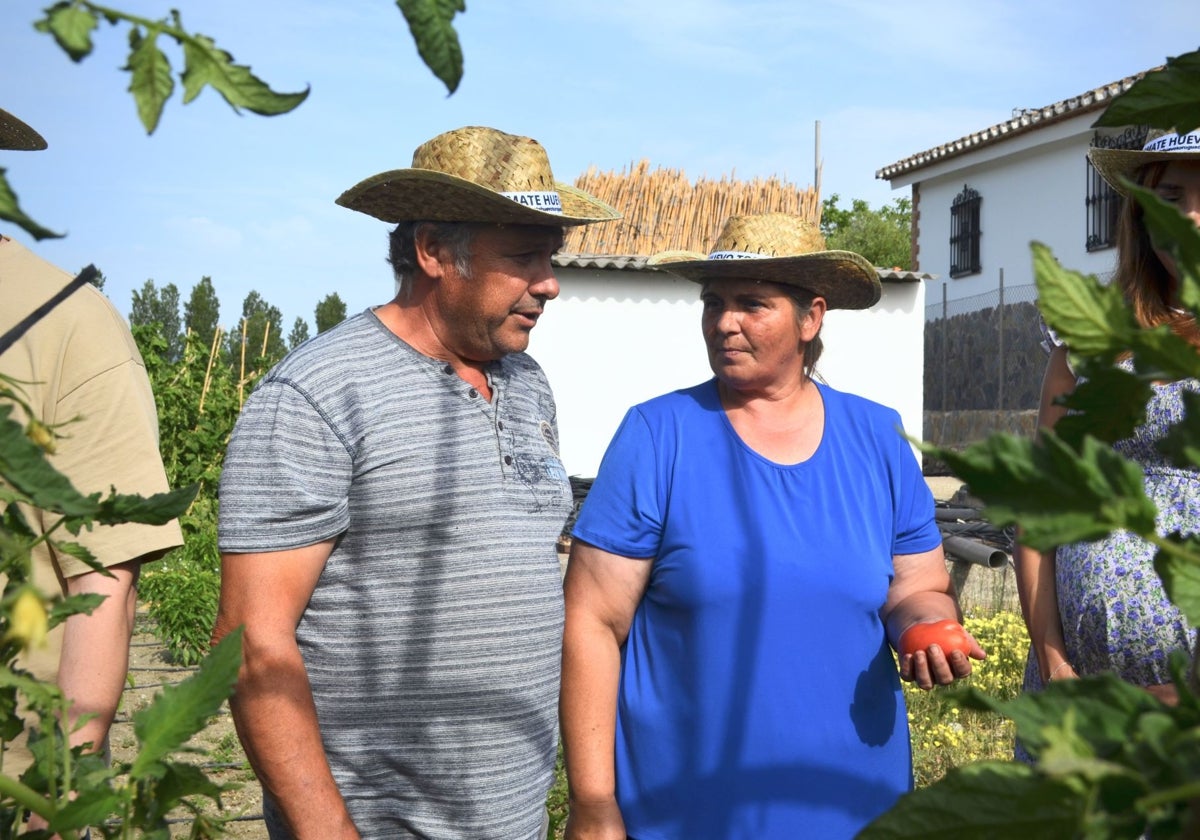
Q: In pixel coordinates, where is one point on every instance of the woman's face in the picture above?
(755, 339)
(1179, 185)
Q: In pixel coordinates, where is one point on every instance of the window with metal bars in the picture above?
(965, 233)
(1103, 202)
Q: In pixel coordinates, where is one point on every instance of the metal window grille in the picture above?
(965, 233)
(1103, 202)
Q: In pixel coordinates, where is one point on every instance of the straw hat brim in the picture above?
(845, 279)
(18, 136)
(409, 195)
(1115, 164)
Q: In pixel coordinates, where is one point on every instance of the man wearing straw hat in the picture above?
(390, 504)
(78, 367)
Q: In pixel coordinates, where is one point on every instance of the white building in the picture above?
(979, 201)
(620, 333)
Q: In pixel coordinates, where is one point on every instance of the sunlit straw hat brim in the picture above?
(476, 174)
(1117, 164)
(780, 248)
(18, 136)
(845, 279)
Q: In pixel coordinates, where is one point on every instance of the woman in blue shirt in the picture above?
(746, 552)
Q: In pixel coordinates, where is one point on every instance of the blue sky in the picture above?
(712, 87)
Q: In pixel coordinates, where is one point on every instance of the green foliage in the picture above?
(10, 211)
(68, 788)
(431, 25)
(299, 333)
(1166, 99)
(257, 342)
(197, 401)
(330, 312)
(182, 590)
(161, 307)
(883, 236)
(202, 312)
(73, 22)
(1110, 760)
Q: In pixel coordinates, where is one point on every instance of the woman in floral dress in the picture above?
(1100, 606)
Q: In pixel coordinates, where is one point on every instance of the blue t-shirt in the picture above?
(758, 695)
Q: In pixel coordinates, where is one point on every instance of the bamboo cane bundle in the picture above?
(664, 210)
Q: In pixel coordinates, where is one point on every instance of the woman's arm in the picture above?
(922, 591)
(602, 592)
(1034, 569)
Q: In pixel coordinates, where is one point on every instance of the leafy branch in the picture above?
(73, 23)
(1110, 759)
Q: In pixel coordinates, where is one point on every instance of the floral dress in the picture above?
(1115, 614)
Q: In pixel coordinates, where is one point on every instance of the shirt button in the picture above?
(448, 369)
(508, 460)
(500, 425)
(472, 393)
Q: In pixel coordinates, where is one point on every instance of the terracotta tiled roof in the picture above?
(1023, 120)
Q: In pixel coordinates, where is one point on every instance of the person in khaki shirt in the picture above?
(79, 365)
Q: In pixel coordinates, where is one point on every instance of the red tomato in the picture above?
(948, 635)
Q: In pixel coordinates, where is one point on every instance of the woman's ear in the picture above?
(810, 324)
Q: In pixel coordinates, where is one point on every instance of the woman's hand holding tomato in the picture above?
(936, 652)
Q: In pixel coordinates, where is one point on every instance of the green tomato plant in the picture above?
(69, 788)
(1110, 760)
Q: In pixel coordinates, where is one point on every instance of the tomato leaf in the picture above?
(1090, 317)
(1165, 98)
(430, 21)
(10, 211)
(71, 26)
(1181, 575)
(1055, 493)
(985, 799)
(182, 710)
(150, 79)
(1108, 403)
(206, 64)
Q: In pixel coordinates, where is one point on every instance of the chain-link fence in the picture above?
(984, 352)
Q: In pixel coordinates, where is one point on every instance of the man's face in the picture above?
(490, 314)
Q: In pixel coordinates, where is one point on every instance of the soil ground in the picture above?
(218, 749)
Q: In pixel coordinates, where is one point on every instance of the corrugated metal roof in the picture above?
(603, 261)
(1023, 121)
(636, 263)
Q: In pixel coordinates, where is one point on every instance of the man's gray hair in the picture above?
(402, 249)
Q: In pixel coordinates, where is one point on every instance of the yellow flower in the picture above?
(41, 435)
(28, 622)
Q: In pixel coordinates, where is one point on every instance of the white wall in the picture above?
(616, 338)
(1033, 188)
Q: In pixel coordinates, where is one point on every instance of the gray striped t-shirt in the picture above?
(432, 640)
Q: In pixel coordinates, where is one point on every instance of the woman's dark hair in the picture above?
(1140, 275)
(802, 301)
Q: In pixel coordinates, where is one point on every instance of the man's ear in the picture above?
(429, 250)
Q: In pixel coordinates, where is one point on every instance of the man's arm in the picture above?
(95, 651)
(272, 704)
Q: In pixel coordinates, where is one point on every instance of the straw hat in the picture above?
(1115, 164)
(782, 248)
(476, 174)
(14, 134)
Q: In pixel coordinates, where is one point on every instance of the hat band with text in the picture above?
(737, 255)
(546, 201)
(1174, 143)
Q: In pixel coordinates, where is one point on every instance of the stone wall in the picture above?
(989, 359)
